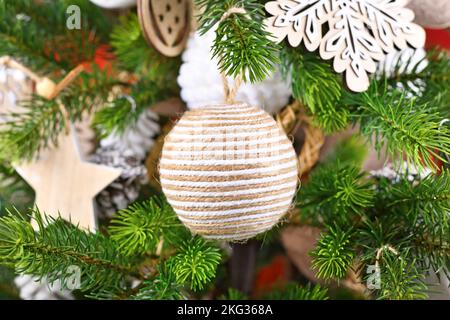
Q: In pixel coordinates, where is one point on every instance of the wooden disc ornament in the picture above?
(228, 171)
(165, 24)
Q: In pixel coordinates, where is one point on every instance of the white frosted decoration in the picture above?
(404, 62)
(201, 82)
(139, 138)
(401, 170)
(431, 13)
(114, 4)
(14, 86)
(31, 288)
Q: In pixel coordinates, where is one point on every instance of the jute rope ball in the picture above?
(228, 171)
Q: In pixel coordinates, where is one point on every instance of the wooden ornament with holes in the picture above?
(165, 24)
(359, 33)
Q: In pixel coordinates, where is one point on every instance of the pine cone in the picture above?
(138, 138)
(124, 190)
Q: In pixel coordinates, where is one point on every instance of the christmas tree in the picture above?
(155, 152)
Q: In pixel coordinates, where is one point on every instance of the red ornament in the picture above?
(438, 38)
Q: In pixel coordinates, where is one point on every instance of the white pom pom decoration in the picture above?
(431, 13)
(138, 138)
(114, 4)
(228, 171)
(201, 83)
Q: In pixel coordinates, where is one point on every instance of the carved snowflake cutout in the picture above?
(360, 32)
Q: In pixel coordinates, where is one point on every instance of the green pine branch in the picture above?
(242, 45)
(293, 291)
(39, 126)
(317, 86)
(335, 193)
(120, 113)
(135, 55)
(400, 125)
(37, 35)
(164, 286)
(55, 250)
(334, 254)
(141, 227)
(196, 263)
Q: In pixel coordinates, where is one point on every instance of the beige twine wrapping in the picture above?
(228, 171)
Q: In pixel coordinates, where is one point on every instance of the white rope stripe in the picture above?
(195, 141)
(165, 181)
(196, 173)
(225, 108)
(208, 120)
(225, 213)
(192, 153)
(223, 129)
(228, 135)
(234, 236)
(227, 193)
(225, 203)
(218, 162)
(270, 215)
(235, 226)
(225, 113)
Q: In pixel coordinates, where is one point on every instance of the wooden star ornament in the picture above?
(65, 185)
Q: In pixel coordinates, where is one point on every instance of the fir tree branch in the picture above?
(162, 287)
(53, 250)
(36, 33)
(139, 228)
(334, 254)
(315, 84)
(400, 125)
(242, 46)
(293, 291)
(195, 263)
(134, 54)
(120, 113)
(26, 133)
(335, 193)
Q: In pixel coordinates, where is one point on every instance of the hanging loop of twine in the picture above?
(231, 92)
(64, 83)
(54, 89)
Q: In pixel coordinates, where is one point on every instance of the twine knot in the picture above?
(231, 92)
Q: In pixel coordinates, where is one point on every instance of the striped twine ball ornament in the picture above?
(228, 171)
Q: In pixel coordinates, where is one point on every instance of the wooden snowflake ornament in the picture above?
(360, 32)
